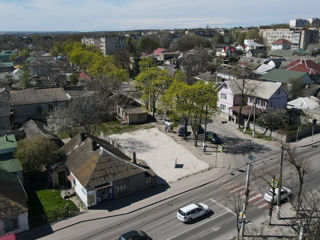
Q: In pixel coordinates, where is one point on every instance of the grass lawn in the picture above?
(115, 127)
(47, 205)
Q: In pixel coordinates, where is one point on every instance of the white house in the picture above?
(100, 172)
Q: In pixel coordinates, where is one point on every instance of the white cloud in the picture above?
(91, 15)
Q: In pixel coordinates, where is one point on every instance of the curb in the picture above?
(148, 205)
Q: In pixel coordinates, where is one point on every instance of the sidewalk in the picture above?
(278, 227)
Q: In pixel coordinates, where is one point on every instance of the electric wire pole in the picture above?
(280, 184)
(245, 204)
(205, 130)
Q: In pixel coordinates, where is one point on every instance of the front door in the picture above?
(61, 178)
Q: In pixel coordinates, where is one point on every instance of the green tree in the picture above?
(272, 120)
(217, 39)
(25, 80)
(180, 102)
(203, 95)
(145, 64)
(35, 152)
(151, 84)
(188, 42)
(147, 44)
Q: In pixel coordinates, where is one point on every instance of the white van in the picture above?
(192, 211)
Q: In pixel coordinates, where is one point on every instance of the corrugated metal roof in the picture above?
(283, 76)
(260, 89)
(32, 96)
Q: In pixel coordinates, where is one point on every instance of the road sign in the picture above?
(242, 215)
(220, 148)
(274, 183)
(252, 158)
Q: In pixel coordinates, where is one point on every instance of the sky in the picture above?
(118, 15)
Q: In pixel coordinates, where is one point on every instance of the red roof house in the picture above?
(281, 41)
(158, 51)
(307, 66)
(281, 44)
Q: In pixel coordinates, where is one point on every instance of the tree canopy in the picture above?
(36, 152)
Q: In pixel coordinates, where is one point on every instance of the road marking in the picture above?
(238, 189)
(263, 204)
(216, 229)
(252, 198)
(258, 200)
(202, 223)
(224, 207)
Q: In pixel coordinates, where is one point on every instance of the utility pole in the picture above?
(280, 184)
(254, 118)
(245, 204)
(205, 130)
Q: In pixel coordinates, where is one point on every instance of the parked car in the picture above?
(213, 137)
(192, 211)
(285, 194)
(200, 130)
(135, 235)
(167, 122)
(181, 132)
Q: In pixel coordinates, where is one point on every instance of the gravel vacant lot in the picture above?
(160, 152)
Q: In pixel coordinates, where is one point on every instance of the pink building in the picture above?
(266, 95)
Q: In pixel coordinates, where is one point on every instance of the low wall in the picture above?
(114, 143)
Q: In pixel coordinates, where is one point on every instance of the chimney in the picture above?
(83, 136)
(95, 145)
(134, 159)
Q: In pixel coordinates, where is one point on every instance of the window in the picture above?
(11, 224)
(278, 91)
(223, 96)
(222, 107)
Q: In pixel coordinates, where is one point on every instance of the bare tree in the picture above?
(243, 87)
(266, 176)
(300, 164)
(237, 203)
(80, 114)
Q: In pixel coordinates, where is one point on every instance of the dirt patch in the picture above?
(168, 159)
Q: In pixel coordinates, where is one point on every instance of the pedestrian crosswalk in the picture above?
(254, 199)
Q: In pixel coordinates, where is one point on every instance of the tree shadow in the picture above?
(39, 225)
(242, 146)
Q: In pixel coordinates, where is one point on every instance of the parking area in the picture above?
(168, 159)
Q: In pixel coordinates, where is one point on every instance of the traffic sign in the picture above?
(242, 215)
(274, 183)
(252, 158)
(220, 148)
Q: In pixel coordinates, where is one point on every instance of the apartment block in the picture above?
(299, 38)
(108, 44)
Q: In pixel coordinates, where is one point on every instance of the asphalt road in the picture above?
(160, 221)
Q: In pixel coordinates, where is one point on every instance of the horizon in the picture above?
(140, 15)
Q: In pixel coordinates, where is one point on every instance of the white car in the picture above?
(285, 193)
(167, 122)
(192, 211)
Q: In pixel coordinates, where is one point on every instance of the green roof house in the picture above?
(8, 145)
(284, 76)
(288, 78)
